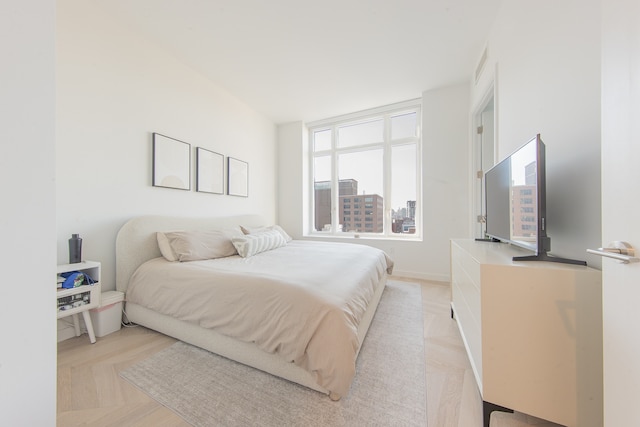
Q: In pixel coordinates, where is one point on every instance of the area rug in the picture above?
(389, 388)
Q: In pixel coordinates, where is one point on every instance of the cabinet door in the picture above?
(541, 341)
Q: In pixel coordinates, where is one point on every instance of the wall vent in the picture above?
(480, 66)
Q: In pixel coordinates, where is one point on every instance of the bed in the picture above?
(296, 309)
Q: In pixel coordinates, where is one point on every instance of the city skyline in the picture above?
(359, 211)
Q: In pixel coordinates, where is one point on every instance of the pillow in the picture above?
(257, 242)
(251, 230)
(198, 245)
(165, 247)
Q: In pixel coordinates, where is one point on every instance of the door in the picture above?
(621, 208)
(483, 160)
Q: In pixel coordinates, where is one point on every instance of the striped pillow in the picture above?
(253, 230)
(252, 244)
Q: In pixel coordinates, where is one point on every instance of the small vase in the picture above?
(75, 249)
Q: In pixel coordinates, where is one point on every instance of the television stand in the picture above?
(488, 239)
(546, 257)
(532, 332)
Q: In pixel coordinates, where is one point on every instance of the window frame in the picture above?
(332, 125)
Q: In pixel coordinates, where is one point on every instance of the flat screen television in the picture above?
(516, 202)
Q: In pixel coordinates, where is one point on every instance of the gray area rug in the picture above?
(389, 388)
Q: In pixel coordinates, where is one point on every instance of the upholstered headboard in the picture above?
(136, 242)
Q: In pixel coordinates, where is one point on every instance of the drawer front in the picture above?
(471, 268)
(471, 334)
(465, 275)
(465, 293)
(471, 294)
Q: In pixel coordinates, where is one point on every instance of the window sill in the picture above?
(352, 237)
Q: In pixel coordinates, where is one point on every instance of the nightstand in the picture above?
(82, 298)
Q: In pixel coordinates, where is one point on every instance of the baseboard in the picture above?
(444, 278)
(66, 329)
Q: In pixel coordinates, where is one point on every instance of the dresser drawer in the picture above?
(470, 329)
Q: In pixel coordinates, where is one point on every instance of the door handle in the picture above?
(619, 250)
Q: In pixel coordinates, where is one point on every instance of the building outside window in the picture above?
(365, 172)
(524, 226)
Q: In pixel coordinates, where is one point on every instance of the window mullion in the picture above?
(335, 184)
(364, 147)
(386, 177)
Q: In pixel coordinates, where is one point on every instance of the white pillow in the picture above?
(252, 230)
(198, 245)
(165, 247)
(255, 243)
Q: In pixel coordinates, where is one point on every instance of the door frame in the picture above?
(475, 161)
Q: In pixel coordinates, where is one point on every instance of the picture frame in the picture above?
(209, 171)
(237, 177)
(171, 163)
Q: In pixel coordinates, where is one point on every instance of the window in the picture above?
(365, 168)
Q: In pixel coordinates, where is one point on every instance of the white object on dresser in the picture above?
(82, 298)
(532, 330)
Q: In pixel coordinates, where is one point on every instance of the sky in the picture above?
(366, 166)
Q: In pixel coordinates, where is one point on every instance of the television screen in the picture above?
(514, 190)
(524, 196)
(497, 201)
(516, 206)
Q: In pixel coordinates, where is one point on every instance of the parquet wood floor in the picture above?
(91, 393)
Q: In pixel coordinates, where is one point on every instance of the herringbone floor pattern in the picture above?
(91, 393)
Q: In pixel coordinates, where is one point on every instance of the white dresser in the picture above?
(532, 330)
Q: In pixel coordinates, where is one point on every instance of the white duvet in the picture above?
(303, 301)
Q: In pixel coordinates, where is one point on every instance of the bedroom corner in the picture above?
(115, 89)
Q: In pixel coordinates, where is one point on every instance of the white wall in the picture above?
(292, 178)
(446, 130)
(544, 60)
(27, 225)
(445, 123)
(547, 57)
(115, 89)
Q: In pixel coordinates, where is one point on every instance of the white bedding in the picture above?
(303, 301)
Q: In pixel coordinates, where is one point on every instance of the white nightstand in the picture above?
(82, 298)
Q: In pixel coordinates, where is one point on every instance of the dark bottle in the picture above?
(75, 249)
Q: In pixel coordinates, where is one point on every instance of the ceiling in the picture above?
(308, 60)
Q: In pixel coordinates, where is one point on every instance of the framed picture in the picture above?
(171, 163)
(238, 177)
(209, 171)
